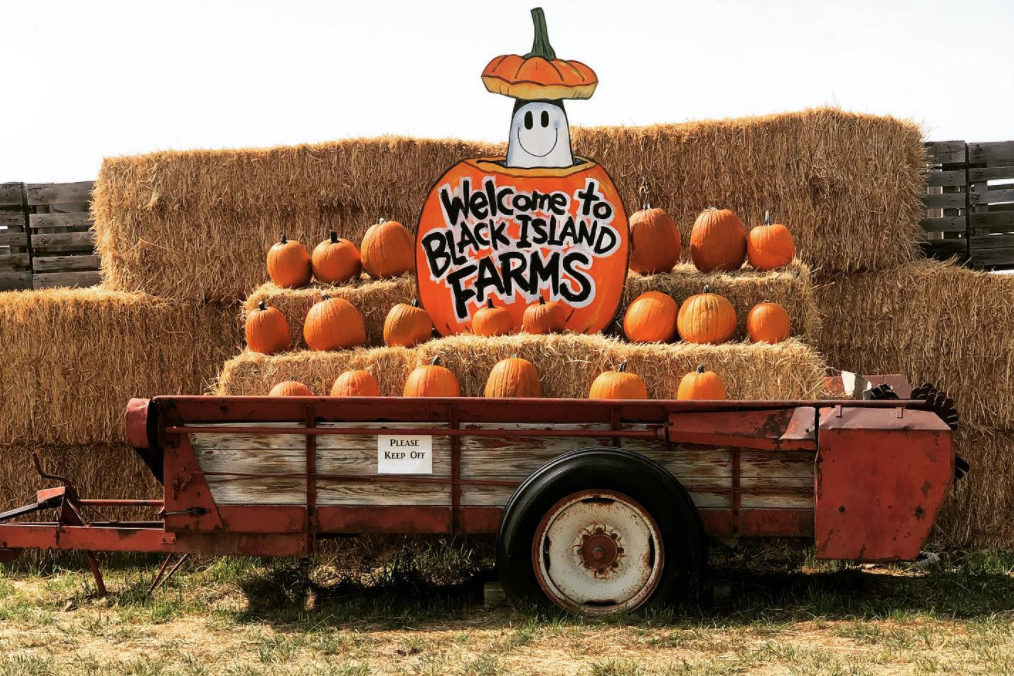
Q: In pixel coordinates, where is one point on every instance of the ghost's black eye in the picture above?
(528, 120)
(545, 118)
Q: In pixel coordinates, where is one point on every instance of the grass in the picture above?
(415, 608)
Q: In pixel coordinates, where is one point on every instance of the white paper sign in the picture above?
(404, 454)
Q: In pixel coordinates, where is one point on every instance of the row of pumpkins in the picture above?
(334, 323)
(511, 377)
(718, 242)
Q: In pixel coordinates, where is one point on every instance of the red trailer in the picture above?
(599, 506)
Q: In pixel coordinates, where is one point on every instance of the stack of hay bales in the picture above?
(940, 323)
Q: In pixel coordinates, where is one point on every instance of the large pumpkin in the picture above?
(768, 322)
(431, 380)
(492, 320)
(407, 325)
(333, 324)
(290, 388)
(706, 318)
(515, 235)
(618, 384)
(543, 317)
(701, 384)
(356, 383)
(289, 264)
(654, 241)
(770, 246)
(513, 377)
(651, 318)
(718, 241)
(266, 330)
(387, 250)
(336, 260)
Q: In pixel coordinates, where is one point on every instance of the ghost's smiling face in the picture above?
(539, 136)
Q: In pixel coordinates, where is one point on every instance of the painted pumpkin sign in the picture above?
(538, 223)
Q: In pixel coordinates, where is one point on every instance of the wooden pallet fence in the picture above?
(63, 243)
(15, 256)
(970, 202)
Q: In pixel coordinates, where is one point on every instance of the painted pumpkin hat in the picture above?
(539, 75)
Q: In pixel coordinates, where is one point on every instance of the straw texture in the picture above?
(72, 358)
(197, 224)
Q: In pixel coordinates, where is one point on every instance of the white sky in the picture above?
(84, 80)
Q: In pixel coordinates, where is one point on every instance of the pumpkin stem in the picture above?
(622, 368)
(415, 302)
(381, 220)
(324, 296)
(489, 302)
(707, 288)
(767, 217)
(334, 236)
(647, 205)
(262, 306)
(542, 301)
(700, 368)
(436, 361)
(284, 239)
(541, 46)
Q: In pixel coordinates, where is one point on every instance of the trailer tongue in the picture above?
(599, 506)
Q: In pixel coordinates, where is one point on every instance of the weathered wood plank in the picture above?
(13, 238)
(945, 152)
(56, 263)
(10, 194)
(993, 257)
(331, 492)
(947, 200)
(982, 195)
(58, 193)
(992, 151)
(261, 491)
(14, 220)
(10, 261)
(990, 173)
(79, 219)
(997, 221)
(75, 239)
(998, 241)
(252, 461)
(944, 224)
(51, 280)
(14, 281)
(950, 177)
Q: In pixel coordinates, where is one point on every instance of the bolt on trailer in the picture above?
(598, 506)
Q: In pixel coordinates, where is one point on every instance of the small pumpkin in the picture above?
(289, 264)
(718, 241)
(333, 324)
(407, 325)
(544, 317)
(492, 320)
(355, 383)
(513, 377)
(266, 330)
(706, 318)
(701, 384)
(431, 380)
(388, 250)
(651, 318)
(654, 241)
(770, 246)
(618, 384)
(290, 388)
(768, 322)
(336, 260)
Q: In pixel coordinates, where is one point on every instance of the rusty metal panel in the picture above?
(880, 478)
(373, 519)
(790, 429)
(752, 523)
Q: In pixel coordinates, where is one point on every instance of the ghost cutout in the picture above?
(539, 135)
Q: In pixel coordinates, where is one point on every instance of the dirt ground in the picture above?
(418, 610)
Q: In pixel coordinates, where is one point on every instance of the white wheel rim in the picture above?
(598, 552)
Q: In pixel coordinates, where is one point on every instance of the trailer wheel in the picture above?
(600, 531)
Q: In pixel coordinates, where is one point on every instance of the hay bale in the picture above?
(932, 322)
(197, 224)
(790, 286)
(373, 298)
(73, 357)
(979, 512)
(567, 363)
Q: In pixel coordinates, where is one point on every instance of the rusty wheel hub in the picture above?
(599, 549)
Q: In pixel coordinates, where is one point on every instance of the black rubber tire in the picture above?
(604, 469)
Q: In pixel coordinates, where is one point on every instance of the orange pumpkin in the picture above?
(336, 260)
(513, 377)
(539, 75)
(266, 330)
(290, 388)
(491, 320)
(333, 324)
(407, 325)
(770, 246)
(388, 250)
(431, 380)
(543, 317)
(651, 318)
(289, 264)
(701, 384)
(654, 241)
(718, 241)
(768, 322)
(618, 384)
(356, 383)
(706, 318)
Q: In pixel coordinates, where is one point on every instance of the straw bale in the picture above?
(196, 224)
(932, 322)
(567, 363)
(73, 357)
